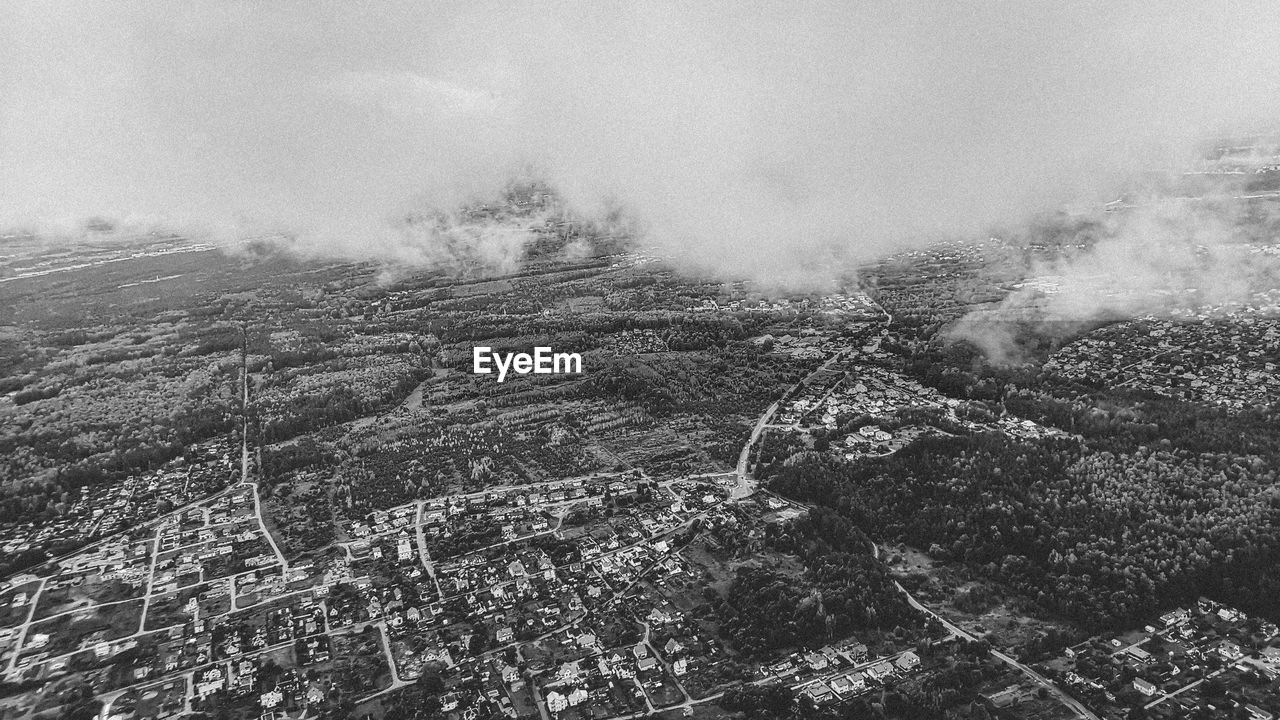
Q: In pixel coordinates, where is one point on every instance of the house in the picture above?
(212, 682)
(640, 650)
(680, 667)
(816, 661)
(569, 672)
(908, 660)
(1140, 655)
(577, 697)
(1230, 614)
(1144, 687)
(880, 670)
(271, 699)
(657, 617)
(556, 702)
(1003, 698)
(819, 693)
(1229, 650)
(505, 635)
(1257, 713)
(672, 647)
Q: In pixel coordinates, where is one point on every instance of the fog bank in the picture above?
(776, 141)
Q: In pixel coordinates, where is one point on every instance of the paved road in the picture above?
(244, 466)
(666, 666)
(26, 626)
(1063, 697)
(746, 484)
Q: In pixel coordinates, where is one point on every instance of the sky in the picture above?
(752, 138)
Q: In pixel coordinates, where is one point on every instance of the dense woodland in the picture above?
(1157, 503)
(842, 591)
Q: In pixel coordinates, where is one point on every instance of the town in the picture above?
(580, 606)
(275, 488)
(1206, 657)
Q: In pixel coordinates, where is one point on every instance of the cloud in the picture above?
(772, 140)
(407, 93)
(1167, 257)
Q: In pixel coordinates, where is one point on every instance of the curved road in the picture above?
(1042, 681)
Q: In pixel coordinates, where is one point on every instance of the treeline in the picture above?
(303, 517)
(281, 459)
(1103, 537)
(689, 332)
(738, 379)
(137, 449)
(42, 392)
(303, 412)
(842, 590)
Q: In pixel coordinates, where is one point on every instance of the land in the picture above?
(239, 484)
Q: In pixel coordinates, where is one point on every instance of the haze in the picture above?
(752, 139)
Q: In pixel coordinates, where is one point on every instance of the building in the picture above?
(880, 670)
(1140, 655)
(1229, 650)
(1257, 713)
(569, 672)
(1144, 687)
(908, 661)
(1003, 698)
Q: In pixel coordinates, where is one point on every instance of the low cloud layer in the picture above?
(1165, 257)
(768, 140)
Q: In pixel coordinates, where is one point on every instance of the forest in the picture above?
(843, 590)
(1104, 531)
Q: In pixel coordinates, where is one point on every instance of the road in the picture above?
(1057, 692)
(666, 666)
(1036, 677)
(743, 481)
(244, 463)
(745, 484)
(396, 681)
(257, 512)
(1179, 691)
(421, 539)
(26, 626)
